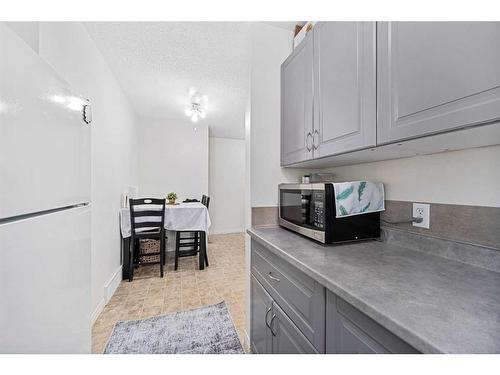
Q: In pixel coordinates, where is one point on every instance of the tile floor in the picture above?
(184, 289)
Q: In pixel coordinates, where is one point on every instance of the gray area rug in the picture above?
(206, 330)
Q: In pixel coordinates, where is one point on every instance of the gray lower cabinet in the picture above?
(291, 314)
(436, 76)
(297, 104)
(300, 297)
(345, 87)
(272, 331)
(287, 338)
(349, 331)
(261, 307)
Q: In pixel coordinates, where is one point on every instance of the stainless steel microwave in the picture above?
(309, 209)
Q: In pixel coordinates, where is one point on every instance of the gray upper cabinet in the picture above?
(436, 76)
(260, 314)
(344, 87)
(297, 104)
(355, 87)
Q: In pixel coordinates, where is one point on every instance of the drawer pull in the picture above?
(273, 278)
(267, 312)
(271, 324)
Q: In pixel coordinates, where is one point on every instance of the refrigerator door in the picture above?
(44, 140)
(45, 283)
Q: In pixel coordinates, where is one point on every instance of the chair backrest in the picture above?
(204, 199)
(147, 214)
(207, 201)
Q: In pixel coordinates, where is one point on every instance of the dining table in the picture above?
(179, 217)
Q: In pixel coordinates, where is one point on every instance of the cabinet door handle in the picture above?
(314, 139)
(309, 148)
(271, 325)
(273, 278)
(267, 312)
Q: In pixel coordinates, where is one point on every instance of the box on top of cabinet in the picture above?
(299, 37)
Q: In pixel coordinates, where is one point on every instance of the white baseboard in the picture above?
(112, 284)
(97, 311)
(246, 340)
(109, 290)
(227, 231)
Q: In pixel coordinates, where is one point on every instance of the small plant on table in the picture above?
(171, 197)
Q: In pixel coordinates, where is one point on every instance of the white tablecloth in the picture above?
(184, 216)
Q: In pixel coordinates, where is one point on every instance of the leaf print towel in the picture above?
(358, 197)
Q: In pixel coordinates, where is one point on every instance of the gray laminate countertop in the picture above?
(435, 304)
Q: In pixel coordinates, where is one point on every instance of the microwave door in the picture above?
(301, 211)
(295, 207)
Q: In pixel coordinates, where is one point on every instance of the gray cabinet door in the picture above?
(345, 87)
(349, 331)
(436, 76)
(297, 104)
(287, 338)
(300, 297)
(261, 308)
(350, 339)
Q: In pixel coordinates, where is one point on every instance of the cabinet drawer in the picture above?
(300, 297)
(350, 331)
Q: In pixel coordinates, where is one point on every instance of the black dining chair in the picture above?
(192, 237)
(189, 245)
(147, 217)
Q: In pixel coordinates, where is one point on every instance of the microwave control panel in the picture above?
(319, 209)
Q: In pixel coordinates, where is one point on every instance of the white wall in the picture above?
(248, 215)
(270, 47)
(227, 185)
(73, 54)
(28, 31)
(173, 157)
(465, 177)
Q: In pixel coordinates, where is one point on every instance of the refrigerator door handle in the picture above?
(87, 113)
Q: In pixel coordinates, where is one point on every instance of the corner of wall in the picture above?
(113, 283)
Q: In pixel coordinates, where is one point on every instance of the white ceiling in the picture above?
(157, 63)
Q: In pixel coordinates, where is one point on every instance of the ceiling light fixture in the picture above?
(196, 109)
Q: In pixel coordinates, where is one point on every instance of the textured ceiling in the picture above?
(157, 63)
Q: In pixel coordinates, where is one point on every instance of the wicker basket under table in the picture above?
(149, 247)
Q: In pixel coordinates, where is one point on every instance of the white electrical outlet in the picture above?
(422, 210)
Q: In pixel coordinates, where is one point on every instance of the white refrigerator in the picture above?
(44, 206)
